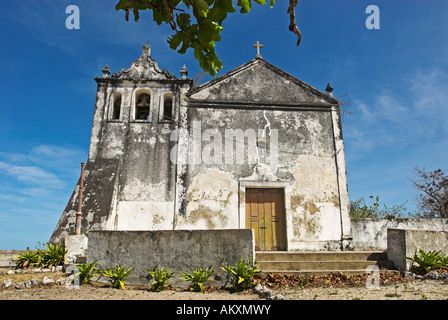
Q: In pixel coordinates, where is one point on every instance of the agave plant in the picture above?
(53, 255)
(117, 276)
(241, 274)
(198, 277)
(27, 259)
(430, 260)
(161, 276)
(87, 272)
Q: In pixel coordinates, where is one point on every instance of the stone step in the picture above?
(319, 256)
(313, 272)
(315, 265)
(303, 263)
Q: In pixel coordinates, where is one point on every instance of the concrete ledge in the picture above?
(6, 257)
(180, 250)
(404, 243)
(76, 246)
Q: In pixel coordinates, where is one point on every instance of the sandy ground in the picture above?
(412, 290)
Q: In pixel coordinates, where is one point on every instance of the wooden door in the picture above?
(265, 213)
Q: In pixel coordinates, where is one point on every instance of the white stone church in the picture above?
(252, 148)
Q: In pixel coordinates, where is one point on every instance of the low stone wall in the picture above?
(180, 250)
(404, 243)
(6, 257)
(371, 234)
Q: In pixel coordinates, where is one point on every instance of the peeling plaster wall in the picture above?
(99, 185)
(305, 161)
(371, 233)
(307, 167)
(138, 191)
(146, 196)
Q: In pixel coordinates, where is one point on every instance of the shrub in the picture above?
(359, 209)
(53, 255)
(430, 260)
(241, 274)
(27, 259)
(161, 276)
(198, 277)
(87, 272)
(117, 276)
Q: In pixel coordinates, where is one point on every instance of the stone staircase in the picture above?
(320, 263)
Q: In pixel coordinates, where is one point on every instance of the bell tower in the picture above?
(129, 180)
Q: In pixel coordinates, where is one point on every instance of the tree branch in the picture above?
(292, 20)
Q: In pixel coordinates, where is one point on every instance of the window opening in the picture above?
(142, 107)
(116, 107)
(168, 107)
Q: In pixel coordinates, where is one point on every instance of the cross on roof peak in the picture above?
(258, 46)
(147, 42)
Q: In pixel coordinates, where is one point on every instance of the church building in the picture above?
(252, 148)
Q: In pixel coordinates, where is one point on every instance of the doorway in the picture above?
(265, 213)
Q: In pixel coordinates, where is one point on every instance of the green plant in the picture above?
(53, 255)
(198, 277)
(241, 274)
(27, 259)
(304, 281)
(197, 24)
(359, 209)
(393, 294)
(430, 260)
(117, 276)
(161, 276)
(87, 272)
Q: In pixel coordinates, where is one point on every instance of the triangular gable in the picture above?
(259, 82)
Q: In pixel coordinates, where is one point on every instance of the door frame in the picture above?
(285, 185)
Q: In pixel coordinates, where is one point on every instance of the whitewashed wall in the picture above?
(371, 234)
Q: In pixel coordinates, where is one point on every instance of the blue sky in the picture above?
(395, 79)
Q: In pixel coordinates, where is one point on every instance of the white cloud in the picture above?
(45, 172)
(31, 175)
(35, 186)
(429, 90)
(417, 110)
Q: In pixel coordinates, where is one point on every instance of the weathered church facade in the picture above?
(253, 148)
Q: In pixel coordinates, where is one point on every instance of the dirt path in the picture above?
(414, 290)
(397, 290)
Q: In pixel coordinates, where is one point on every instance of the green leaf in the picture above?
(176, 40)
(245, 5)
(208, 32)
(183, 20)
(217, 15)
(225, 5)
(271, 4)
(121, 5)
(158, 17)
(202, 7)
